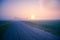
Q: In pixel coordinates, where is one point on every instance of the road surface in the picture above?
(22, 31)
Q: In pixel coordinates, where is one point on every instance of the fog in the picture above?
(24, 9)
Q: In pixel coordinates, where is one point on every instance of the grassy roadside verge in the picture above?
(3, 28)
(53, 30)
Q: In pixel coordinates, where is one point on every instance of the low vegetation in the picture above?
(4, 25)
(49, 26)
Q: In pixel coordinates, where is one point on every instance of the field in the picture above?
(52, 26)
(4, 25)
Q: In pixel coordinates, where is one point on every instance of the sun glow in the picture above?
(33, 17)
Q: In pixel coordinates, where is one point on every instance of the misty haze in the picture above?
(30, 20)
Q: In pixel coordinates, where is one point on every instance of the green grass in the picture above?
(49, 26)
(4, 27)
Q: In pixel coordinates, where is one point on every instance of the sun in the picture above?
(32, 17)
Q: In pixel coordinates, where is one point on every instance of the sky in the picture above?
(25, 9)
